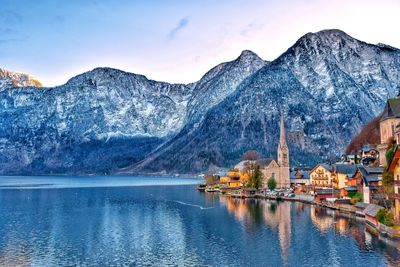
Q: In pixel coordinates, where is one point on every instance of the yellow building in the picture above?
(341, 174)
(321, 175)
(234, 178)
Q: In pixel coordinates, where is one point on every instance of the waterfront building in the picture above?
(321, 175)
(279, 169)
(368, 183)
(299, 177)
(371, 211)
(341, 174)
(394, 168)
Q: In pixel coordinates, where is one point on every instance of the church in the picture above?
(279, 169)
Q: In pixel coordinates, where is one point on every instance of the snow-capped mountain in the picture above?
(16, 79)
(328, 85)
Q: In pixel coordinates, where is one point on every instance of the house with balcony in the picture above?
(321, 176)
(368, 181)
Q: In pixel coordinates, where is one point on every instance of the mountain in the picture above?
(15, 79)
(96, 122)
(327, 86)
(102, 120)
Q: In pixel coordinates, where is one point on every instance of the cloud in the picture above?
(252, 27)
(59, 19)
(181, 25)
(10, 17)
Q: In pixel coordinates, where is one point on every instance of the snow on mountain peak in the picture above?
(16, 79)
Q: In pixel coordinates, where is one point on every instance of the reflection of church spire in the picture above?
(282, 139)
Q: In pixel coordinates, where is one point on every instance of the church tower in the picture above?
(283, 158)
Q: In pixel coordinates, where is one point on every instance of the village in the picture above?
(365, 183)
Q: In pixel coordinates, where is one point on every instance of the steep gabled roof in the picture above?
(392, 109)
(349, 169)
(264, 162)
(327, 167)
(371, 174)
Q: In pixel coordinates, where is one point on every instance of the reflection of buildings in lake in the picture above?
(236, 207)
(322, 218)
(15, 254)
(277, 216)
(299, 207)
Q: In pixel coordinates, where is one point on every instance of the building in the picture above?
(394, 168)
(324, 194)
(371, 211)
(299, 177)
(279, 169)
(341, 174)
(390, 119)
(321, 176)
(368, 183)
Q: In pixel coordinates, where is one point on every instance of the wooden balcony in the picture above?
(397, 182)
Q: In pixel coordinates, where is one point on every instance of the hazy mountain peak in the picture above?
(248, 54)
(16, 79)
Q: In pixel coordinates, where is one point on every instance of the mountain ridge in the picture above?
(110, 121)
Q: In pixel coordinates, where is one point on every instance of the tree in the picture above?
(385, 216)
(271, 183)
(251, 155)
(255, 178)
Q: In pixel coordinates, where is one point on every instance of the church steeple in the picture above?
(283, 158)
(282, 139)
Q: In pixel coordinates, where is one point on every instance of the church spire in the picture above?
(282, 139)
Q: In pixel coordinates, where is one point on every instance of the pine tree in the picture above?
(271, 183)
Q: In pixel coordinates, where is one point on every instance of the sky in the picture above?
(170, 40)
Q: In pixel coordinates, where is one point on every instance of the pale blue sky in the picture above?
(171, 40)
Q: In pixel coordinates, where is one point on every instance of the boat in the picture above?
(202, 187)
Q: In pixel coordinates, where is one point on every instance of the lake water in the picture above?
(144, 221)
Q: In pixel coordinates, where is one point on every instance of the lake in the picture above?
(158, 221)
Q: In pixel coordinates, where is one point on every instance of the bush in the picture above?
(385, 217)
(355, 197)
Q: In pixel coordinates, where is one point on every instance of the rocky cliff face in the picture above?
(327, 85)
(96, 122)
(104, 119)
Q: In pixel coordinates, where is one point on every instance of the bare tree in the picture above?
(251, 155)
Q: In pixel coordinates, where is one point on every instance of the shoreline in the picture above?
(381, 231)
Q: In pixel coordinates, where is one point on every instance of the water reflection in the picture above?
(278, 216)
(176, 225)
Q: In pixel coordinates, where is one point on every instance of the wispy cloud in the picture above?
(181, 25)
(10, 21)
(10, 17)
(252, 27)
